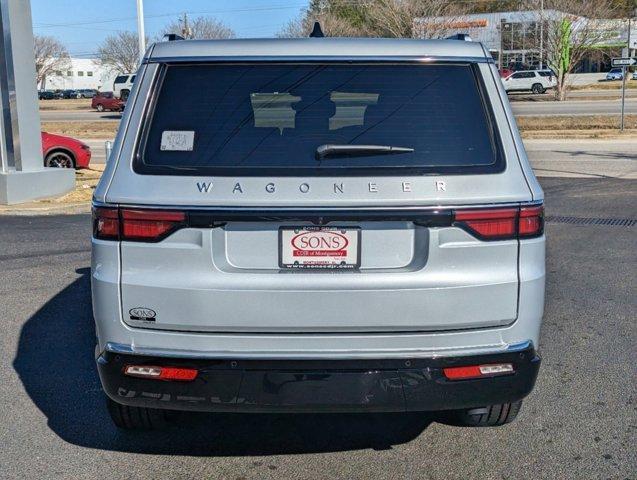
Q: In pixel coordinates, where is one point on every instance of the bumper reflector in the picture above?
(478, 371)
(161, 373)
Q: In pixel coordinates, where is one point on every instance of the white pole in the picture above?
(140, 29)
(541, 34)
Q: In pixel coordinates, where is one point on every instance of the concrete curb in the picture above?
(49, 209)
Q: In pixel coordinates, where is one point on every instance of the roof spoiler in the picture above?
(465, 37)
(171, 37)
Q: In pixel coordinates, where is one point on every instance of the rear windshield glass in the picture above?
(290, 119)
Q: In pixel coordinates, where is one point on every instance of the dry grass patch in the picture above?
(614, 85)
(85, 130)
(66, 104)
(577, 126)
(85, 183)
(575, 122)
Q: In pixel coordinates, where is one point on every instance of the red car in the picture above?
(64, 152)
(107, 101)
(505, 72)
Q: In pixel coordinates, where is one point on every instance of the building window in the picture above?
(69, 73)
(80, 74)
(58, 73)
(89, 74)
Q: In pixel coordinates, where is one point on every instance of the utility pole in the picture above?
(140, 29)
(185, 31)
(541, 34)
(625, 72)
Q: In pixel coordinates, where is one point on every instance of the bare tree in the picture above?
(199, 28)
(376, 18)
(571, 29)
(120, 52)
(50, 57)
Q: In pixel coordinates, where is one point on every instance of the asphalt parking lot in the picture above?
(580, 422)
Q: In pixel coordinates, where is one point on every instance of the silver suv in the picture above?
(318, 225)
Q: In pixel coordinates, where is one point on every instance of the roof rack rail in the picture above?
(465, 37)
(317, 31)
(171, 37)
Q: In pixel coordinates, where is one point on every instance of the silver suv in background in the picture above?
(536, 81)
(294, 225)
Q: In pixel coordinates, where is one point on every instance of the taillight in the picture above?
(150, 225)
(106, 223)
(478, 371)
(502, 223)
(136, 225)
(531, 221)
(161, 373)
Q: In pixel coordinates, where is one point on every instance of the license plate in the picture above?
(319, 247)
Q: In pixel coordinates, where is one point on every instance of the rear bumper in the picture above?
(386, 385)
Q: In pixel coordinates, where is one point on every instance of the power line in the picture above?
(164, 15)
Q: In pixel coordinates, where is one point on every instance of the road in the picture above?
(580, 158)
(521, 108)
(580, 422)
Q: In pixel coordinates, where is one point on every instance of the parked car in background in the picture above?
(48, 95)
(107, 101)
(615, 74)
(86, 93)
(122, 85)
(635, 75)
(505, 72)
(64, 152)
(68, 93)
(537, 81)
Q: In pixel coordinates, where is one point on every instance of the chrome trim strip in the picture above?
(316, 58)
(349, 208)
(413, 353)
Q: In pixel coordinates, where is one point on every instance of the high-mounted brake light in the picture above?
(478, 371)
(161, 373)
(502, 223)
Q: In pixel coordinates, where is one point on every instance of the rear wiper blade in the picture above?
(326, 151)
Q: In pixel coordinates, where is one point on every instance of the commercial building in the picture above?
(81, 73)
(514, 38)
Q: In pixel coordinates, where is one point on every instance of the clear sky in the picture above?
(82, 24)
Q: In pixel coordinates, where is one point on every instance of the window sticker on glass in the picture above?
(350, 108)
(273, 110)
(177, 140)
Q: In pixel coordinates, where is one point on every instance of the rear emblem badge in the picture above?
(141, 313)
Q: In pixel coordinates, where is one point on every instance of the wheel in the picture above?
(138, 418)
(59, 159)
(79, 95)
(491, 416)
(100, 107)
(538, 88)
(124, 94)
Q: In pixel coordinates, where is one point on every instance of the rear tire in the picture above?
(138, 418)
(124, 94)
(491, 416)
(100, 107)
(538, 88)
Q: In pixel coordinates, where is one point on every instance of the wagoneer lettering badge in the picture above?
(337, 188)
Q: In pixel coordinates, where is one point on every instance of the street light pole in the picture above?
(140, 29)
(541, 34)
